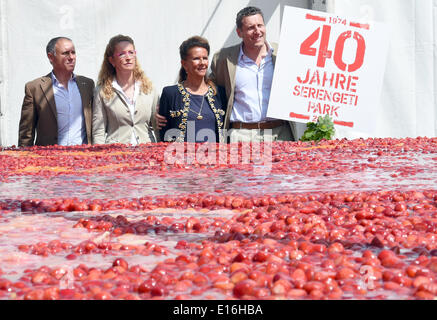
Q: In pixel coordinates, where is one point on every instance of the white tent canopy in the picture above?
(408, 107)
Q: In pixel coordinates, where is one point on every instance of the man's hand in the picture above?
(161, 121)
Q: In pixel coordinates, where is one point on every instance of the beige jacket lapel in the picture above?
(86, 97)
(232, 62)
(84, 93)
(275, 53)
(47, 89)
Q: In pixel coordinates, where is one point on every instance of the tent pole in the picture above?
(2, 73)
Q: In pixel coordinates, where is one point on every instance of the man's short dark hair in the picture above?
(247, 12)
(52, 44)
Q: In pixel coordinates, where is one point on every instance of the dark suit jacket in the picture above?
(172, 100)
(39, 115)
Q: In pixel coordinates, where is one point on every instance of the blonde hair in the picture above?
(108, 72)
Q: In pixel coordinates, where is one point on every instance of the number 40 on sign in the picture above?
(324, 53)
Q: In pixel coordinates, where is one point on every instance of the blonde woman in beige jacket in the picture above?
(124, 100)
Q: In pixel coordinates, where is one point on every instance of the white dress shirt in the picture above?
(131, 105)
(71, 120)
(252, 88)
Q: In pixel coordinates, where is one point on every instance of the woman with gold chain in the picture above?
(194, 108)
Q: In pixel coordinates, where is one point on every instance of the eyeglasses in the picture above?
(127, 54)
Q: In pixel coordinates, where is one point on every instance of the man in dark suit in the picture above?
(246, 71)
(57, 108)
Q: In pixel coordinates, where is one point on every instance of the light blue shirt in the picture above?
(71, 121)
(252, 88)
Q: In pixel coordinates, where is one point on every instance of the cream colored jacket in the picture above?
(112, 120)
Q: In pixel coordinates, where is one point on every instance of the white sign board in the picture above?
(329, 65)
